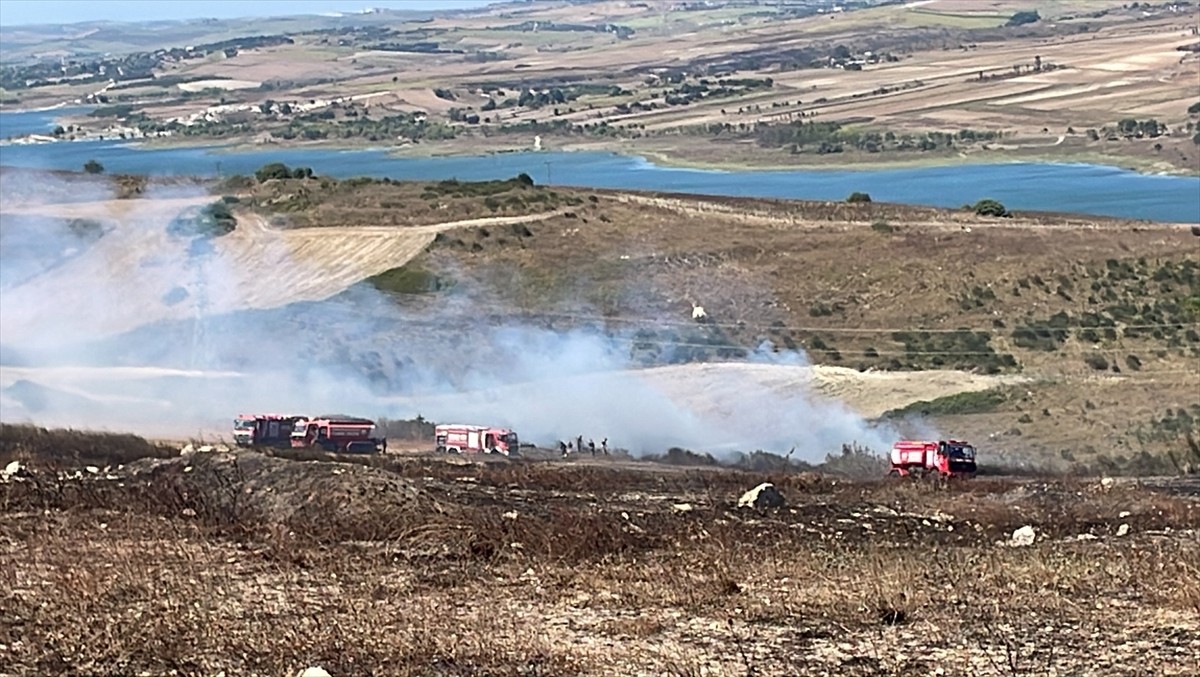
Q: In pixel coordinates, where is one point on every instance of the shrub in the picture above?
(93, 167)
(1097, 361)
(273, 170)
(858, 198)
(883, 227)
(409, 279)
(990, 207)
(977, 402)
(1022, 18)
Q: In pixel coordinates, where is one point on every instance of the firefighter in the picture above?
(562, 447)
(592, 446)
(604, 445)
(579, 444)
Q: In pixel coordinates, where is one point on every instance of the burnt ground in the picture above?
(253, 565)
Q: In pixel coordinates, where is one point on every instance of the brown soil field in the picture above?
(261, 565)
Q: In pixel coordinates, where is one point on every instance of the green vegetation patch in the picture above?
(959, 349)
(410, 278)
(976, 402)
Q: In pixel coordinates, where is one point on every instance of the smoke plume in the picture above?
(123, 324)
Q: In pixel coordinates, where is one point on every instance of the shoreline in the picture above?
(660, 155)
(666, 159)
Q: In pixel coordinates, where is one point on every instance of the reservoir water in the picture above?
(1079, 188)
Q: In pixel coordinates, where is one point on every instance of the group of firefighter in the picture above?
(576, 445)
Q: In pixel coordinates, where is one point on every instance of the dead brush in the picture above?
(59, 447)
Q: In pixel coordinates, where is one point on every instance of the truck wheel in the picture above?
(440, 450)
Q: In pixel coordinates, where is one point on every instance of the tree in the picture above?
(1022, 18)
(858, 198)
(273, 170)
(524, 179)
(93, 167)
(990, 207)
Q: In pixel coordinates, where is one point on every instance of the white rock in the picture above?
(1023, 537)
(13, 469)
(1107, 482)
(1122, 530)
(93, 470)
(1123, 514)
(313, 672)
(510, 515)
(763, 496)
(682, 507)
(187, 449)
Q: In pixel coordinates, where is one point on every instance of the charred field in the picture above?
(262, 565)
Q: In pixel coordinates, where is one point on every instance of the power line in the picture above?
(847, 330)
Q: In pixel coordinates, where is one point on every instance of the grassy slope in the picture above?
(1100, 314)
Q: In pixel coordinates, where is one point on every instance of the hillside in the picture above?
(412, 288)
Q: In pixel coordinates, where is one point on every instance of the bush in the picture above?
(1022, 18)
(883, 227)
(858, 198)
(990, 207)
(273, 170)
(409, 279)
(1097, 361)
(977, 402)
(93, 167)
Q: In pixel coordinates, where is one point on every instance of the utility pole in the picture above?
(548, 172)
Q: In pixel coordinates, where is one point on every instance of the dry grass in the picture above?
(528, 568)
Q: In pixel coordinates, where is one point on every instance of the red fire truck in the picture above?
(263, 430)
(946, 458)
(339, 434)
(458, 438)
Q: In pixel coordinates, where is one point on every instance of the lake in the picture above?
(1079, 188)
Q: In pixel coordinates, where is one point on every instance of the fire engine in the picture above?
(263, 430)
(946, 458)
(346, 434)
(458, 438)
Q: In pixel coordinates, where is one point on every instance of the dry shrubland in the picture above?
(255, 564)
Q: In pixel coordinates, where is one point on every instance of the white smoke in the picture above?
(148, 332)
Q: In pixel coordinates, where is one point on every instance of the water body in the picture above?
(1077, 188)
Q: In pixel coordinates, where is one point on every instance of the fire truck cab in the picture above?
(263, 430)
(458, 438)
(946, 458)
(338, 434)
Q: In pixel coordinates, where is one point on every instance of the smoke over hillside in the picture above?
(195, 353)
